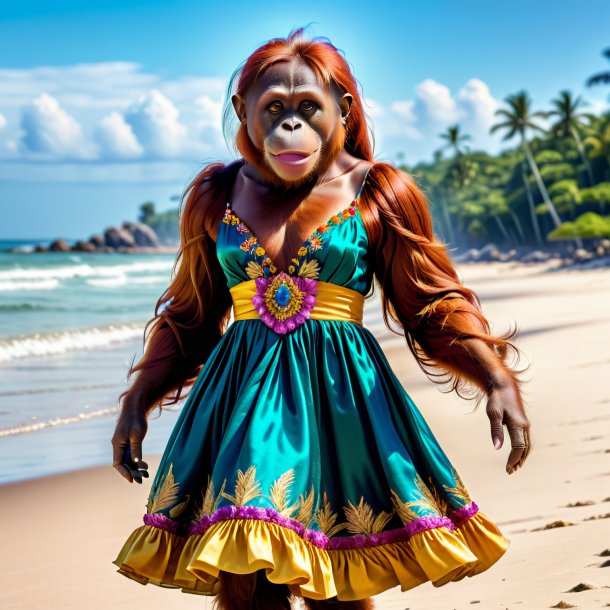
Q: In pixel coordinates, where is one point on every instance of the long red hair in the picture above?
(421, 292)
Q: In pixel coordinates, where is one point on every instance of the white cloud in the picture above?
(51, 132)
(412, 126)
(113, 112)
(155, 122)
(436, 101)
(176, 118)
(116, 138)
(478, 104)
(209, 111)
(404, 109)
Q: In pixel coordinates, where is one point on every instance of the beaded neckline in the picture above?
(266, 267)
(250, 242)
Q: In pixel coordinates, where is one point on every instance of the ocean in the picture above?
(70, 326)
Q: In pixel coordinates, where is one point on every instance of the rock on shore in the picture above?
(129, 237)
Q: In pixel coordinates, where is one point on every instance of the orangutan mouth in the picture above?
(292, 157)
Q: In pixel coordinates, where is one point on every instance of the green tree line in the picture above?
(554, 185)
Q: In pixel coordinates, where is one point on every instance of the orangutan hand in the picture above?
(129, 433)
(505, 407)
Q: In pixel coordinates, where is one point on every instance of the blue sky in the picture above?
(104, 105)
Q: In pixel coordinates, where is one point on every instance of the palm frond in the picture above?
(305, 514)
(246, 487)
(326, 518)
(254, 270)
(459, 491)
(403, 509)
(360, 518)
(381, 521)
(310, 269)
(166, 495)
(280, 491)
(179, 508)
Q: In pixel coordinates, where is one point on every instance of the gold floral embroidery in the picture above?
(210, 499)
(254, 270)
(246, 488)
(279, 493)
(310, 269)
(166, 495)
(326, 518)
(315, 242)
(305, 514)
(359, 519)
(247, 243)
(459, 491)
(429, 501)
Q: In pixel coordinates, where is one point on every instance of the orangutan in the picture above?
(304, 146)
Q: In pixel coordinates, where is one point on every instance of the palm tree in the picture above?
(602, 77)
(519, 119)
(530, 203)
(599, 141)
(570, 121)
(454, 139)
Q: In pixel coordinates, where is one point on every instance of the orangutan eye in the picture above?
(307, 105)
(275, 107)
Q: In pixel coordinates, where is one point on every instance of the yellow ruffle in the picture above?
(242, 546)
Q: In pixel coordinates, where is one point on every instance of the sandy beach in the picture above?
(60, 533)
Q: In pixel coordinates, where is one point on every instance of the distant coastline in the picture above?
(26, 246)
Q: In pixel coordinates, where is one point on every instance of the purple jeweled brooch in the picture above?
(284, 302)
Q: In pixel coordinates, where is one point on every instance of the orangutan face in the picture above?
(296, 123)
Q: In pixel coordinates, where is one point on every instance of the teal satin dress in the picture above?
(311, 435)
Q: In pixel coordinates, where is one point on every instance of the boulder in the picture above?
(489, 253)
(59, 245)
(97, 241)
(117, 238)
(143, 234)
(536, 256)
(83, 246)
(580, 254)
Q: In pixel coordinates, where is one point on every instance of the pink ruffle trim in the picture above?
(318, 538)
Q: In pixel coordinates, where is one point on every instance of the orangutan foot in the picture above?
(251, 592)
(334, 604)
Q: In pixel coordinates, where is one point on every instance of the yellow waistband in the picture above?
(333, 302)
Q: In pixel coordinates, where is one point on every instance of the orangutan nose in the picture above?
(291, 124)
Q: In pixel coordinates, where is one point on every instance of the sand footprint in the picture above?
(580, 503)
(553, 525)
(581, 586)
(593, 517)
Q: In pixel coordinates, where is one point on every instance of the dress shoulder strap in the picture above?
(366, 175)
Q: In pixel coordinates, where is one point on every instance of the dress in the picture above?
(301, 453)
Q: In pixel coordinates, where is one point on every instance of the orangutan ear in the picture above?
(239, 103)
(345, 103)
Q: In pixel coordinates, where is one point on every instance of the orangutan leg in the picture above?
(334, 604)
(251, 592)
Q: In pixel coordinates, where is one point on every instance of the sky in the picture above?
(106, 105)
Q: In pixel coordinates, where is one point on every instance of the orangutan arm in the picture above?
(443, 322)
(190, 315)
